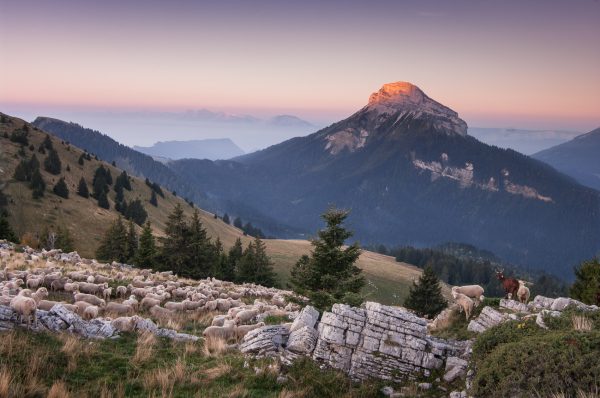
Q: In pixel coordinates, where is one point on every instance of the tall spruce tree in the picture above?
(255, 266)
(174, 250)
(61, 189)
(153, 199)
(330, 274)
(226, 219)
(103, 200)
(82, 188)
(6, 231)
(234, 255)
(146, 252)
(425, 296)
(64, 241)
(132, 243)
(37, 184)
(202, 254)
(52, 162)
(114, 243)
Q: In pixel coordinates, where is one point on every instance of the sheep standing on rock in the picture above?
(523, 292)
(465, 303)
(24, 307)
(474, 292)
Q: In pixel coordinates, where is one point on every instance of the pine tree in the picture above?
(226, 219)
(425, 296)
(131, 244)
(202, 255)
(99, 183)
(47, 143)
(103, 200)
(146, 252)
(255, 266)
(22, 171)
(586, 287)
(119, 197)
(330, 274)
(61, 188)
(174, 250)
(6, 231)
(52, 163)
(113, 245)
(81, 159)
(233, 257)
(135, 211)
(82, 189)
(37, 184)
(238, 223)
(64, 241)
(153, 199)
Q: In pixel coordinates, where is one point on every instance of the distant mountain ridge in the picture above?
(124, 157)
(579, 158)
(212, 149)
(411, 175)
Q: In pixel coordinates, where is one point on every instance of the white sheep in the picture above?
(91, 312)
(106, 293)
(465, 303)
(40, 294)
(245, 316)
(121, 291)
(219, 332)
(523, 292)
(131, 301)
(125, 323)
(90, 298)
(148, 302)
(119, 309)
(160, 312)
(24, 307)
(175, 306)
(472, 291)
(242, 330)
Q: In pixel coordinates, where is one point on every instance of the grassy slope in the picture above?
(388, 280)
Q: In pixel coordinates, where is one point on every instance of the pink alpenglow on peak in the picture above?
(404, 97)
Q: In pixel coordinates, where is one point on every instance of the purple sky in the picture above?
(530, 64)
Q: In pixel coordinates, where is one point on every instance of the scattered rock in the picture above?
(265, 341)
(514, 305)
(308, 317)
(488, 318)
(539, 320)
(455, 368)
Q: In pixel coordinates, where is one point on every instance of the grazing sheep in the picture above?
(91, 312)
(192, 305)
(472, 291)
(245, 316)
(148, 302)
(211, 305)
(71, 307)
(24, 307)
(46, 305)
(106, 293)
(465, 303)
(523, 292)
(119, 309)
(219, 332)
(241, 330)
(33, 283)
(124, 323)
(218, 320)
(223, 305)
(40, 294)
(175, 306)
(90, 298)
(81, 306)
(90, 279)
(121, 291)
(71, 286)
(160, 312)
(132, 301)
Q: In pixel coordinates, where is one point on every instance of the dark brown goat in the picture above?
(510, 285)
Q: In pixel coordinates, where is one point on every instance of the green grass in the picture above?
(34, 362)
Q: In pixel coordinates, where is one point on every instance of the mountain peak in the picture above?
(405, 97)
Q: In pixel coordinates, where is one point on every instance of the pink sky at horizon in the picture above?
(531, 64)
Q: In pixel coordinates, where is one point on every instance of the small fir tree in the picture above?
(146, 252)
(131, 244)
(52, 163)
(6, 231)
(153, 199)
(586, 287)
(330, 275)
(113, 245)
(226, 219)
(61, 189)
(174, 250)
(103, 200)
(37, 184)
(425, 296)
(82, 188)
(64, 241)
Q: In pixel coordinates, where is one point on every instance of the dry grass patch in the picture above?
(163, 380)
(214, 373)
(74, 349)
(110, 392)
(581, 323)
(214, 346)
(59, 390)
(144, 348)
(5, 382)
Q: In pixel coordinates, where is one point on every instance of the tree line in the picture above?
(187, 250)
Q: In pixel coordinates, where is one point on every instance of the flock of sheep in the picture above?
(468, 297)
(122, 293)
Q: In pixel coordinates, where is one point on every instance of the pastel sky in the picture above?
(519, 63)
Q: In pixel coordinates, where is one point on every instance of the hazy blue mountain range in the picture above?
(579, 158)
(212, 149)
